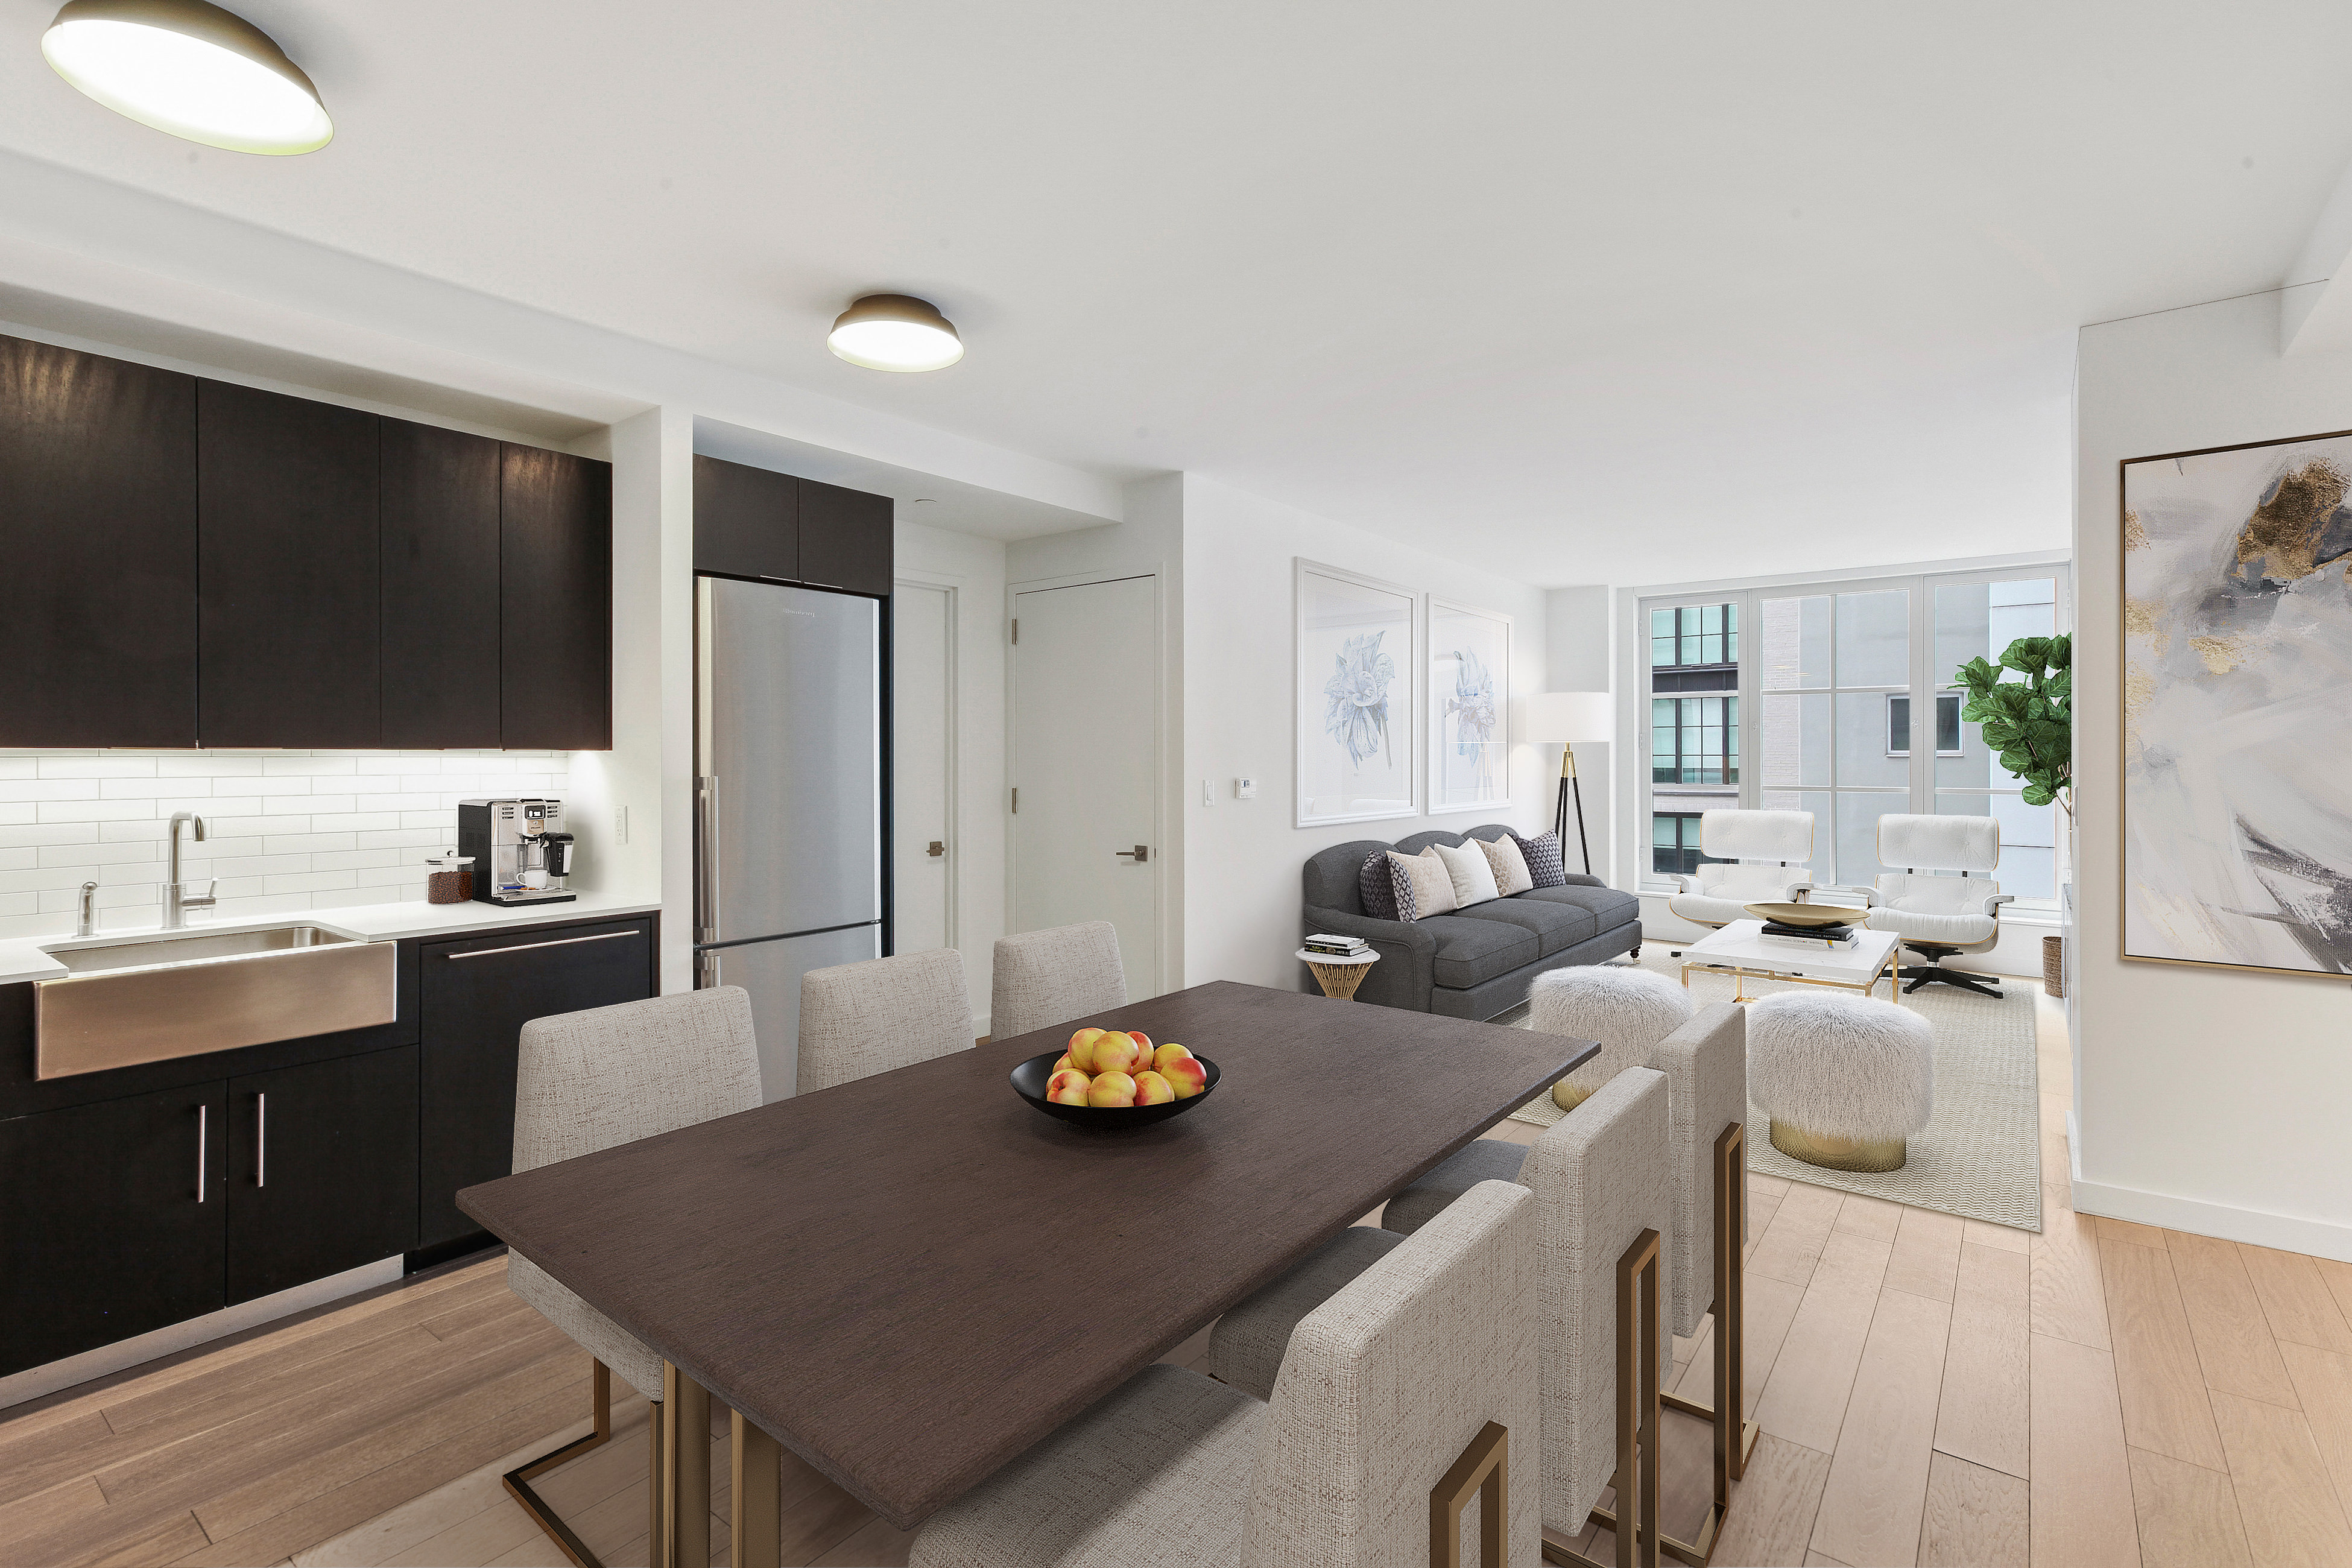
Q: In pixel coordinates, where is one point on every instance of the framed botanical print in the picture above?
(1358, 662)
(2237, 747)
(1469, 708)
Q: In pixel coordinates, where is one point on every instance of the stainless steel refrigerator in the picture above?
(789, 770)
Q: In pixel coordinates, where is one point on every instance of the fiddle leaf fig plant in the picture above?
(2031, 722)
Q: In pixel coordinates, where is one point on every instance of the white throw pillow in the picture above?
(1510, 866)
(1473, 878)
(1432, 889)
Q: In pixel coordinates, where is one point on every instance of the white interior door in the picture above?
(923, 846)
(1086, 765)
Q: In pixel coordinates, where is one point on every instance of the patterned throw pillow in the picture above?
(1510, 866)
(1376, 883)
(1545, 867)
(1432, 889)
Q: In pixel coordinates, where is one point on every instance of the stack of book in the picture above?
(1339, 946)
(1832, 936)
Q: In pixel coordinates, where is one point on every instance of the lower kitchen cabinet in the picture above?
(321, 1170)
(476, 994)
(116, 1221)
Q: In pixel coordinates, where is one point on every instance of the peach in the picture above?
(1064, 1062)
(1068, 1087)
(1116, 1052)
(1151, 1088)
(1186, 1076)
(1142, 1042)
(1166, 1054)
(1111, 1088)
(1081, 1051)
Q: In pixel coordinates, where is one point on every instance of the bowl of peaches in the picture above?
(1114, 1078)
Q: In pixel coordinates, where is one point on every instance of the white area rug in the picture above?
(1979, 1156)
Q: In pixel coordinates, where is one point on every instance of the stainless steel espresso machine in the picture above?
(522, 854)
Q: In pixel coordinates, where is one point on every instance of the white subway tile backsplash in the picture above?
(286, 831)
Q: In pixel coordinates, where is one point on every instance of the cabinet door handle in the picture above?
(261, 1140)
(201, 1113)
(560, 941)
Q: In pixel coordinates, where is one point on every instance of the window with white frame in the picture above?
(1835, 676)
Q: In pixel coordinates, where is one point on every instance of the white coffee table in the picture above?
(1742, 949)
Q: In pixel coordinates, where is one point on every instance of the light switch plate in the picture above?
(621, 825)
(1246, 789)
(1208, 793)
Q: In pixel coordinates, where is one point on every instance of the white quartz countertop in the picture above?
(27, 958)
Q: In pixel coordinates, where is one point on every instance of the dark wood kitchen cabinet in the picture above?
(289, 615)
(844, 539)
(438, 501)
(115, 1222)
(555, 598)
(321, 1170)
(97, 505)
(746, 520)
(477, 994)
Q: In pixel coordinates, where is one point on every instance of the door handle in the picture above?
(1140, 854)
(707, 966)
(936, 849)
(706, 914)
(261, 1140)
(202, 1111)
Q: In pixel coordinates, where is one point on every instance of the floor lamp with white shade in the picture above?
(1564, 717)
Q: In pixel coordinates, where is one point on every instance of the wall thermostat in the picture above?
(1246, 789)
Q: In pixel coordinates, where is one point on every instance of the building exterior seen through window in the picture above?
(1694, 725)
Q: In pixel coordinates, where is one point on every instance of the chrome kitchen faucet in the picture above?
(176, 902)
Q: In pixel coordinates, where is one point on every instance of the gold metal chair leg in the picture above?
(1735, 1435)
(518, 1480)
(686, 1469)
(1639, 1311)
(1482, 1471)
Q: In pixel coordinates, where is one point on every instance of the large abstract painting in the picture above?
(2237, 706)
(1469, 707)
(1356, 659)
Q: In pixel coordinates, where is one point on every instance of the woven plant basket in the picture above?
(2054, 966)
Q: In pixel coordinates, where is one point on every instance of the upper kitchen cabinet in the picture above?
(746, 520)
(98, 503)
(555, 597)
(844, 539)
(289, 618)
(440, 513)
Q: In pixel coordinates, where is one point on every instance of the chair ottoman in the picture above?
(1627, 1010)
(1845, 1080)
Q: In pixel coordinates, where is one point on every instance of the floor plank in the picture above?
(2338, 1276)
(1867, 1217)
(2187, 1515)
(1974, 1518)
(1982, 1416)
(2065, 1297)
(1771, 1306)
(2324, 1379)
(1791, 1247)
(2145, 1236)
(1926, 1257)
(2297, 1298)
(2000, 1238)
(2165, 1410)
(2284, 1496)
(1804, 1399)
(1870, 1508)
(2081, 1492)
(2234, 1345)
(876, 1545)
(1771, 1515)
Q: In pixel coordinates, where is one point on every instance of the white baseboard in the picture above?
(35, 1381)
(2319, 1238)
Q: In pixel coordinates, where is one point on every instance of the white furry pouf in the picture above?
(1841, 1066)
(1628, 1011)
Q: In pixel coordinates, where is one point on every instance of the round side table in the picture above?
(1339, 976)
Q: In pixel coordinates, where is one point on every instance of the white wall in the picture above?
(974, 569)
(1244, 857)
(2207, 1099)
(1580, 643)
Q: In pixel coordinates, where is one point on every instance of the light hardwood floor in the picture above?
(1932, 1391)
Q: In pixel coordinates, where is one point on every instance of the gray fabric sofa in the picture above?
(1477, 962)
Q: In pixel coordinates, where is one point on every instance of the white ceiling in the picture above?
(1616, 292)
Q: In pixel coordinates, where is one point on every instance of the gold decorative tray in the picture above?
(1806, 914)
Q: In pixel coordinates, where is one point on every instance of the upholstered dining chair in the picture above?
(1939, 916)
(1399, 1393)
(1048, 978)
(590, 1080)
(1754, 857)
(858, 1019)
(1602, 1200)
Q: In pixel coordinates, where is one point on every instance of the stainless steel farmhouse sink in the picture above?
(183, 993)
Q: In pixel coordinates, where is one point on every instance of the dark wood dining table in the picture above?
(911, 1278)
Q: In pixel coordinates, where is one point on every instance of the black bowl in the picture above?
(1029, 1083)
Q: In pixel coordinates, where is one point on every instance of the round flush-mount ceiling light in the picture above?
(895, 331)
(190, 69)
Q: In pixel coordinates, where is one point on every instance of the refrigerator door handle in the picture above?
(707, 963)
(706, 800)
